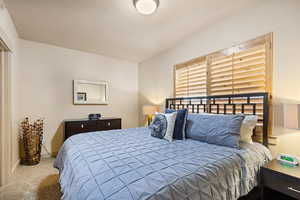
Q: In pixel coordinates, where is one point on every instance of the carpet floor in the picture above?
(39, 182)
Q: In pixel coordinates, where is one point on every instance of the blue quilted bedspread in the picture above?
(130, 164)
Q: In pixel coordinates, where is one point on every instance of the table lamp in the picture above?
(149, 111)
(292, 116)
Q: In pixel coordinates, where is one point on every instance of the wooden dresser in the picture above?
(77, 126)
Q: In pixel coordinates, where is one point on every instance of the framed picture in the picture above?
(90, 92)
(81, 96)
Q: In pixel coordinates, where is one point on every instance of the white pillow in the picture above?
(171, 118)
(247, 127)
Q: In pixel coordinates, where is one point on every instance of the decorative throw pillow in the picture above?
(159, 126)
(180, 123)
(215, 128)
(247, 128)
(163, 125)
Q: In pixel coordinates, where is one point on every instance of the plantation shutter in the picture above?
(191, 79)
(245, 68)
(241, 72)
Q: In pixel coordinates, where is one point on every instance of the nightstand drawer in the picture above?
(81, 127)
(109, 124)
(282, 183)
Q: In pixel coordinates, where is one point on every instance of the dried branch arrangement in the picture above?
(32, 137)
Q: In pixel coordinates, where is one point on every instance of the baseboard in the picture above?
(15, 166)
(46, 155)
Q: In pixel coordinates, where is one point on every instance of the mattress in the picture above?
(130, 164)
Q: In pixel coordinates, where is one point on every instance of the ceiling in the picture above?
(113, 27)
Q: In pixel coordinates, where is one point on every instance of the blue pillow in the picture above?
(180, 123)
(215, 128)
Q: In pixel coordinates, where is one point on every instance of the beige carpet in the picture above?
(33, 182)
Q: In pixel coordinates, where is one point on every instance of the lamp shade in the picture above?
(292, 116)
(150, 109)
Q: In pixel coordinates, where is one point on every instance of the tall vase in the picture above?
(31, 137)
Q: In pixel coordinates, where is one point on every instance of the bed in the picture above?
(130, 164)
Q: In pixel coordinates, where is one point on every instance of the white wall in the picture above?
(46, 87)
(9, 35)
(277, 16)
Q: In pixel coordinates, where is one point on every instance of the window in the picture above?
(244, 68)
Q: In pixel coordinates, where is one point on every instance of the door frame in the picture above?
(5, 114)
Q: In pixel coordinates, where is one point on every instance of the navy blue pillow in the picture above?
(179, 129)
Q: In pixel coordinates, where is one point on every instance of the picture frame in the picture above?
(81, 96)
(90, 92)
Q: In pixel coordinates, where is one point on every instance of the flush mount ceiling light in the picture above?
(146, 7)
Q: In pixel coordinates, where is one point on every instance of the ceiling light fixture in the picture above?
(146, 7)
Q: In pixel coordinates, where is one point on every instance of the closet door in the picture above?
(6, 146)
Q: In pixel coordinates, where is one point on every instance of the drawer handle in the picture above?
(108, 123)
(294, 190)
(82, 125)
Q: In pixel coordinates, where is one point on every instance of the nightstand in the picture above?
(280, 182)
(76, 126)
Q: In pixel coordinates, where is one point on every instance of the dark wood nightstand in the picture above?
(77, 126)
(280, 182)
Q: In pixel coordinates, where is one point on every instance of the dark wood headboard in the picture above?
(248, 104)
